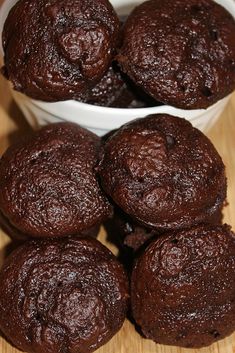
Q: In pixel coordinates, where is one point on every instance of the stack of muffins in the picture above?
(62, 291)
(169, 186)
(158, 180)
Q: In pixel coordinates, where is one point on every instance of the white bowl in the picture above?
(101, 119)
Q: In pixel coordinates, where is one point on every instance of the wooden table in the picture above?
(13, 125)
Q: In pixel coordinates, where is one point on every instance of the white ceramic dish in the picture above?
(101, 119)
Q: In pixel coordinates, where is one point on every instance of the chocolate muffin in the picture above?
(57, 50)
(183, 288)
(48, 186)
(181, 52)
(163, 173)
(62, 295)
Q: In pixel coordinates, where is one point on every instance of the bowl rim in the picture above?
(111, 111)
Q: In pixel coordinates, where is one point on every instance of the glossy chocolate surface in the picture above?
(180, 52)
(62, 295)
(57, 50)
(163, 173)
(183, 288)
(48, 185)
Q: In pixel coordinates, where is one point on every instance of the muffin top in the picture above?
(56, 50)
(181, 52)
(183, 288)
(48, 185)
(163, 172)
(62, 295)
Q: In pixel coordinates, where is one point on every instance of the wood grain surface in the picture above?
(13, 125)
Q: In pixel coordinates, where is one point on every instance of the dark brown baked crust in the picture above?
(133, 235)
(62, 295)
(183, 288)
(110, 91)
(117, 91)
(181, 52)
(48, 185)
(15, 234)
(129, 233)
(57, 50)
(163, 172)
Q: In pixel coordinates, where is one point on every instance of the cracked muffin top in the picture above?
(48, 185)
(56, 50)
(183, 288)
(180, 52)
(163, 172)
(62, 295)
